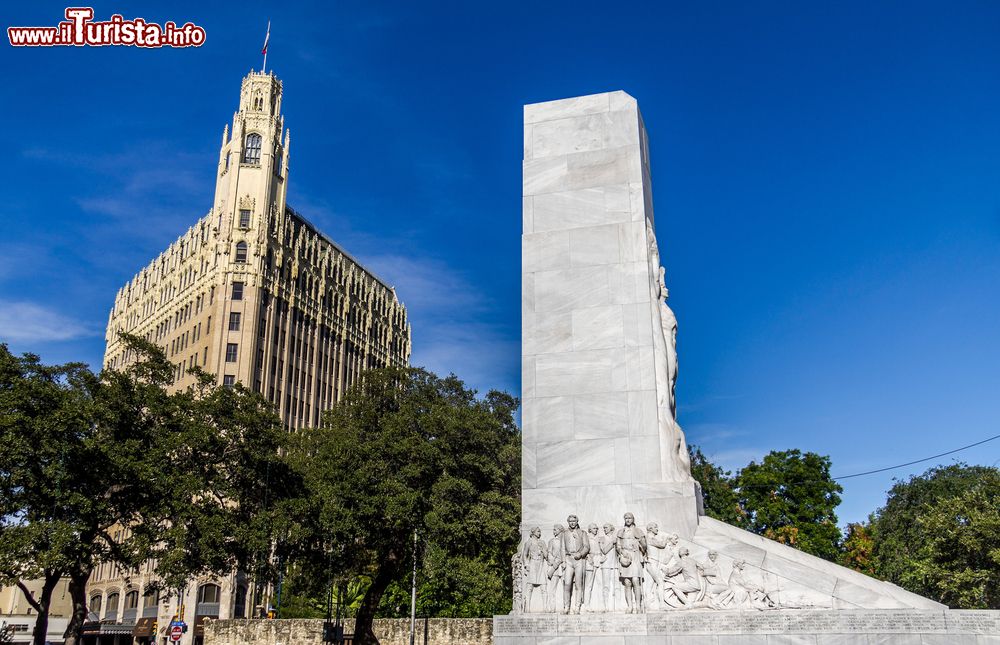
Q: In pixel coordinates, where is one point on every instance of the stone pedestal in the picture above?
(805, 627)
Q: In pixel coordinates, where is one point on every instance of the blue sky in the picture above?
(826, 180)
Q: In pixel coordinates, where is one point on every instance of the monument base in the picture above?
(784, 627)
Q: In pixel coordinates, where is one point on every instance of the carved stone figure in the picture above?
(631, 549)
(716, 591)
(554, 557)
(594, 559)
(683, 583)
(534, 555)
(668, 327)
(609, 569)
(675, 461)
(746, 593)
(657, 557)
(517, 575)
(575, 547)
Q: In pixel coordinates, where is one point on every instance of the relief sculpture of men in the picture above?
(609, 569)
(657, 556)
(631, 549)
(716, 590)
(575, 547)
(556, 566)
(684, 582)
(594, 560)
(533, 557)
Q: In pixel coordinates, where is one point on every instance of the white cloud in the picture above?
(30, 322)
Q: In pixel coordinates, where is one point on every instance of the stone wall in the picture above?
(390, 631)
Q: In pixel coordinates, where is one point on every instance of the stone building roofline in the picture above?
(323, 235)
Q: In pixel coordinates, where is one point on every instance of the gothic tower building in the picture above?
(254, 294)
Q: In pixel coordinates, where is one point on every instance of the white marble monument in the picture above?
(602, 446)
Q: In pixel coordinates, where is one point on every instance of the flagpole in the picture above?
(266, 39)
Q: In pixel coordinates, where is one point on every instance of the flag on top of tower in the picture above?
(267, 38)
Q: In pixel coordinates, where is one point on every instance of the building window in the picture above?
(150, 600)
(234, 321)
(244, 218)
(237, 291)
(231, 352)
(94, 613)
(131, 607)
(111, 613)
(229, 380)
(240, 604)
(208, 600)
(251, 152)
(241, 252)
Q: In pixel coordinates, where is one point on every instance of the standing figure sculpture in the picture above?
(674, 458)
(533, 557)
(657, 556)
(594, 560)
(575, 547)
(556, 566)
(609, 568)
(631, 549)
(517, 576)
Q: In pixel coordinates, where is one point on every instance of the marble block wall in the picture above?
(591, 442)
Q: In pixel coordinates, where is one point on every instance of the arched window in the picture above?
(241, 251)
(208, 600)
(111, 612)
(131, 607)
(150, 600)
(251, 151)
(95, 608)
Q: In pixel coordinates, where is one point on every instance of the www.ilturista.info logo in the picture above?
(80, 30)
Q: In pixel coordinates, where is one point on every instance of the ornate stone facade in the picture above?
(254, 294)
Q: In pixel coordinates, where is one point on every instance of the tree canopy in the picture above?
(717, 489)
(406, 451)
(938, 535)
(114, 468)
(791, 497)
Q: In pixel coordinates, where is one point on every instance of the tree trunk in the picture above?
(388, 571)
(42, 605)
(78, 595)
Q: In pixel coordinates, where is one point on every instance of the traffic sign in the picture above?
(176, 631)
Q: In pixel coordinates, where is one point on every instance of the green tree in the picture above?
(407, 451)
(113, 468)
(790, 497)
(938, 535)
(857, 551)
(717, 489)
(963, 563)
